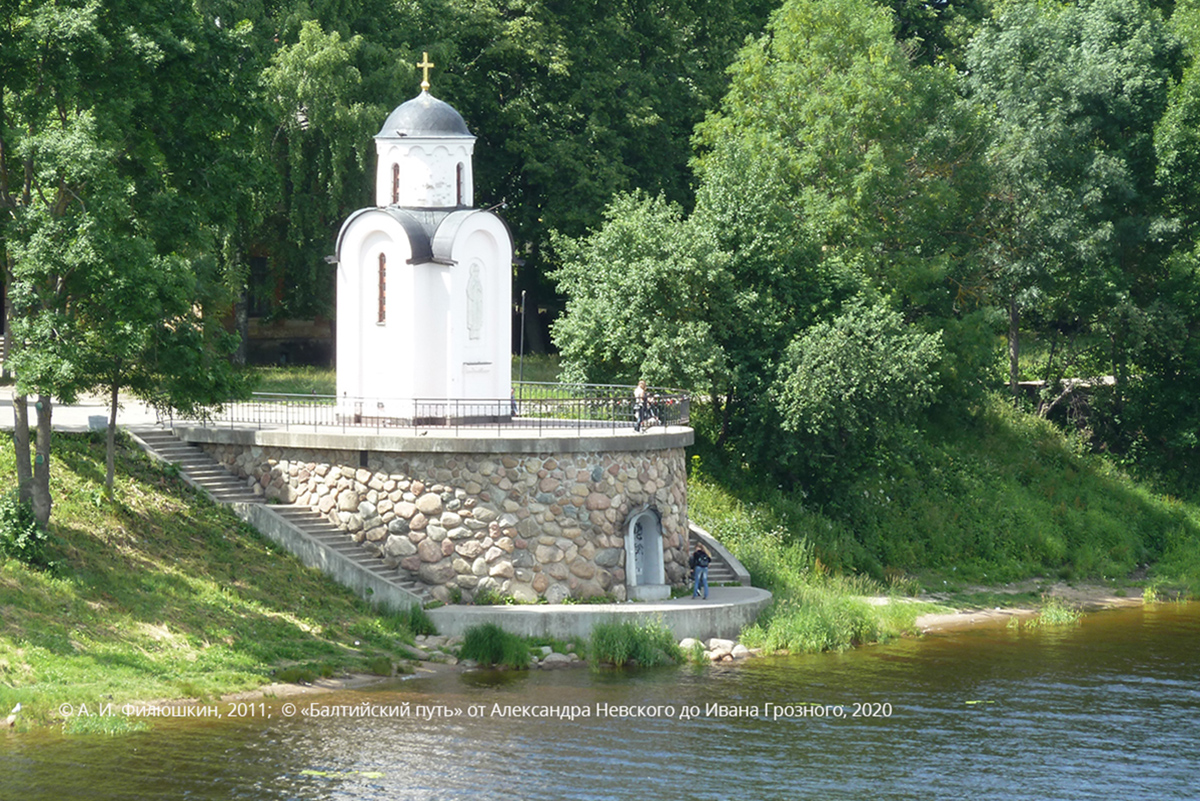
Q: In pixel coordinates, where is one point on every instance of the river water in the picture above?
(1108, 709)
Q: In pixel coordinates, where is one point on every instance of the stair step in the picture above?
(224, 487)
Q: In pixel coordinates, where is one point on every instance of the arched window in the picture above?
(382, 288)
(395, 184)
(462, 190)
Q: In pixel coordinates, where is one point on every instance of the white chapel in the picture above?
(424, 280)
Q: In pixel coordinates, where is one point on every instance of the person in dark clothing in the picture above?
(639, 405)
(699, 564)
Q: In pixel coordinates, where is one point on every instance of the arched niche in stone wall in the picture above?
(645, 577)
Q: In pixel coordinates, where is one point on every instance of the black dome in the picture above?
(424, 115)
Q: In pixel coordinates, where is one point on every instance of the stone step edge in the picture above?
(369, 583)
(198, 485)
(372, 585)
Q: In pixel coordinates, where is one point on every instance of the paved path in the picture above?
(90, 413)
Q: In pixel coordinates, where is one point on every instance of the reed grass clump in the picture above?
(815, 608)
(1055, 612)
(416, 620)
(491, 645)
(646, 645)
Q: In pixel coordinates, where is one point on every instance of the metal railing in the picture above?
(532, 407)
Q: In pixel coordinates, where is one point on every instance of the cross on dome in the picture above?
(425, 64)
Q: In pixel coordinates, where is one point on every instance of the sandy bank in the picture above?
(1086, 597)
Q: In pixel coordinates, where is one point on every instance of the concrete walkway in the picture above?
(90, 413)
(724, 614)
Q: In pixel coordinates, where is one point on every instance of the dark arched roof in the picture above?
(424, 115)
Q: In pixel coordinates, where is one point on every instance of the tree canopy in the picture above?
(118, 170)
(1020, 177)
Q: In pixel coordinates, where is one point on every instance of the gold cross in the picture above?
(425, 65)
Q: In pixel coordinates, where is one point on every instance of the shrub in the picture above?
(850, 389)
(380, 665)
(627, 643)
(21, 538)
(489, 644)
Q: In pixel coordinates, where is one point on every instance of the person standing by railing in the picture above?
(639, 405)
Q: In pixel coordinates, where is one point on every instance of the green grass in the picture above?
(815, 609)
(301, 380)
(990, 497)
(162, 594)
(492, 646)
(296, 380)
(1000, 496)
(538, 367)
(627, 643)
(1054, 612)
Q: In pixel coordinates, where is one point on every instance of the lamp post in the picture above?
(521, 351)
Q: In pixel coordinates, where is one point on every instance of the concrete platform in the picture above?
(440, 440)
(726, 611)
(724, 614)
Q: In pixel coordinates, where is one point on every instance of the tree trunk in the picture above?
(111, 446)
(6, 310)
(1014, 348)
(723, 436)
(41, 463)
(241, 322)
(21, 446)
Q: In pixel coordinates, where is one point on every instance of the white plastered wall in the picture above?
(372, 357)
(429, 172)
(479, 366)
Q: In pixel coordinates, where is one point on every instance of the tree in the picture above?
(1074, 92)
(572, 103)
(938, 30)
(851, 389)
(648, 297)
(834, 168)
(321, 150)
(94, 176)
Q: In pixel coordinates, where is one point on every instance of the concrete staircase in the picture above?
(719, 572)
(196, 467)
(336, 540)
(314, 539)
(724, 567)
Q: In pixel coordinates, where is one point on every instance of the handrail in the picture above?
(532, 405)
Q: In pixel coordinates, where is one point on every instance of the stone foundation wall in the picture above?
(547, 525)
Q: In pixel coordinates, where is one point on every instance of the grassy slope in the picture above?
(997, 498)
(163, 594)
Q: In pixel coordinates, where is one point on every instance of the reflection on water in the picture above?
(1109, 709)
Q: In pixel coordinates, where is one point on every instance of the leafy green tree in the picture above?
(851, 389)
(649, 296)
(100, 167)
(572, 103)
(321, 148)
(1074, 92)
(835, 167)
(934, 31)
(1161, 417)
